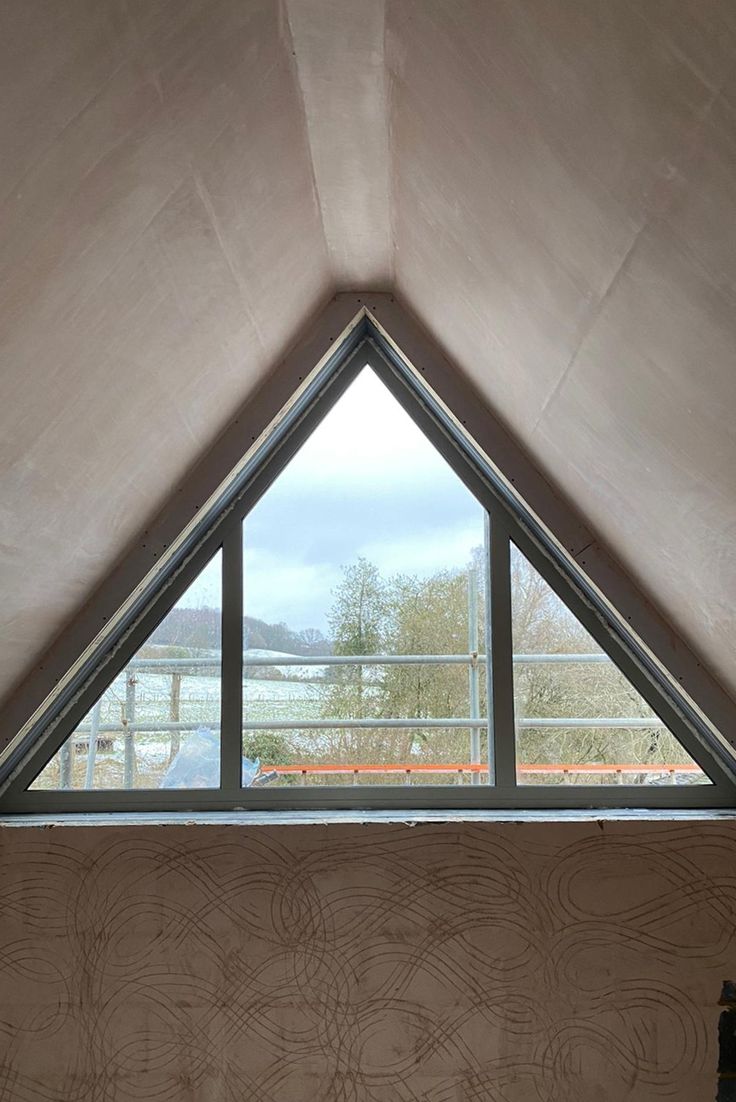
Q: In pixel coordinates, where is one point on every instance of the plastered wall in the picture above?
(509, 962)
(549, 188)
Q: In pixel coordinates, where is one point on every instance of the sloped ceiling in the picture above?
(550, 188)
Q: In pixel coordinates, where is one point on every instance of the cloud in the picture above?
(367, 482)
(278, 587)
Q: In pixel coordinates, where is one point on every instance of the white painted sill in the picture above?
(327, 818)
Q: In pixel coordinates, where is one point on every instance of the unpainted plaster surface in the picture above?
(447, 962)
(564, 203)
(339, 50)
(549, 188)
(160, 246)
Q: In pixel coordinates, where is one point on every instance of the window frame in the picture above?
(510, 521)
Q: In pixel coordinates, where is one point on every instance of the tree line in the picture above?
(199, 629)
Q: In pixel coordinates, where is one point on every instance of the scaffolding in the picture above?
(90, 736)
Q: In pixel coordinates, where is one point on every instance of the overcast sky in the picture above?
(367, 482)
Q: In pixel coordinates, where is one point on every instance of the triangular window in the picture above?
(367, 623)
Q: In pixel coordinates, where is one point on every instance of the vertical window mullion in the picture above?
(232, 660)
(499, 652)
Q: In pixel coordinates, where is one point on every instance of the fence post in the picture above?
(89, 777)
(65, 764)
(129, 735)
(175, 709)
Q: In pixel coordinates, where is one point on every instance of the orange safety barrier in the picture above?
(477, 767)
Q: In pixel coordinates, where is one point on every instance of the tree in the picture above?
(428, 616)
(544, 625)
(398, 615)
(405, 614)
(312, 641)
(358, 623)
(358, 615)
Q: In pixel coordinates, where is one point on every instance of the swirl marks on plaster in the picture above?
(502, 962)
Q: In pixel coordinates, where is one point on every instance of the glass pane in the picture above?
(367, 547)
(579, 720)
(158, 724)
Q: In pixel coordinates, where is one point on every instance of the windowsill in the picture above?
(325, 818)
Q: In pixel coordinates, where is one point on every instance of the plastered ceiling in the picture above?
(549, 187)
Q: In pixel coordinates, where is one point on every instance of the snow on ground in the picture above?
(310, 673)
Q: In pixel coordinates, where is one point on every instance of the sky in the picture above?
(366, 483)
